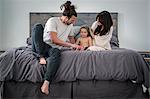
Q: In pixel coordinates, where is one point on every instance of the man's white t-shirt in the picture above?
(54, 24)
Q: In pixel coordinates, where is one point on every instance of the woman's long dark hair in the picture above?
(105, 19)
(69, 9)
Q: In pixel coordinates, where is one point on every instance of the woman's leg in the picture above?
(52, 67)
(37, 42)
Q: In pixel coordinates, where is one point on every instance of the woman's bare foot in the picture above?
(42, 61)
(45, 87)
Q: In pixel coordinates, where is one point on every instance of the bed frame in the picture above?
(74, 90)
(90, 89)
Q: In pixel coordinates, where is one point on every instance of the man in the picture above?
(56, 32)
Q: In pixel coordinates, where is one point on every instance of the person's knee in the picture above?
(37, 31)
(38, 25)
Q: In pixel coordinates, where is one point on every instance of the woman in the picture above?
(102, 32)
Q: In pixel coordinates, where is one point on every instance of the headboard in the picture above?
(82, 19)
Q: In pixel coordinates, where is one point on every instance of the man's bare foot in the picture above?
(45, 87)
(42, 61)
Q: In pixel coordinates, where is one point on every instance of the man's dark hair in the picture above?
(69, 10)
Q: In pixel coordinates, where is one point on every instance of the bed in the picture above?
(117, 73)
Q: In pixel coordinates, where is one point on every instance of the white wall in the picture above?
(133, 19)
(0, 24)
(16, 19)
(149, 23)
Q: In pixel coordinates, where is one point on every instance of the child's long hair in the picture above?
(88, 30)
(69, 9)
(105, 19)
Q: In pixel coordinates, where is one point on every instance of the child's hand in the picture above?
(77, 47)
(80, 48)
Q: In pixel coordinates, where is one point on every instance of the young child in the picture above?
(85, 39)
(102, 29)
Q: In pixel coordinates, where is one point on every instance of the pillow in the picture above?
(114, 42)
(29, 41)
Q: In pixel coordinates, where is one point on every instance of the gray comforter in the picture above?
(118, 64)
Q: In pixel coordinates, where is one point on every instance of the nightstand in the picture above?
(146, 55)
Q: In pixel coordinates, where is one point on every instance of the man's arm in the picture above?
(57, 41)
(71, 39)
